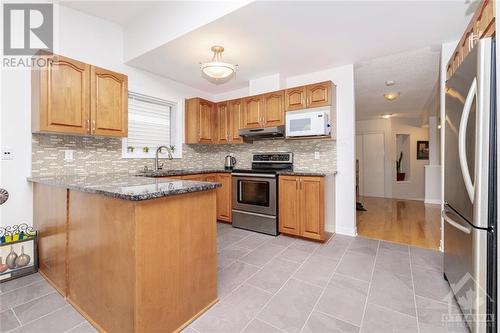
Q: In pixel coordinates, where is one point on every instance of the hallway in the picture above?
(402, 221)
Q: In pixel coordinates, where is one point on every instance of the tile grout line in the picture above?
(45, 315)
(17, 318)
(284, 283)
(369, 288)
(324, 289)
(414, 291)
(29, 284)
(78, 325)
(34, 299)
(332, 316)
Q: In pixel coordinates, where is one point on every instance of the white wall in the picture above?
(414, 188)
(84, 38)
(345, 181)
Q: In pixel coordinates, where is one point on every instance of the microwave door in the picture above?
(299, 126)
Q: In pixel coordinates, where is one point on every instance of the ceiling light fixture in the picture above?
(386, 116)
(390, 83)
(391, 96)
(218, 69)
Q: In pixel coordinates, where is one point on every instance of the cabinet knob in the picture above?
(93, 126)
(87, 126)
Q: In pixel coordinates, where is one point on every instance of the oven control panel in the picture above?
(273, 158)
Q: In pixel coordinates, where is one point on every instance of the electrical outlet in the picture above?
(7, 153)
(69, 155)
(316, 155)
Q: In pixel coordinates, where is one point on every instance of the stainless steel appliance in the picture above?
(309, 122)
(470, 210)
(229, 162)
(255, 192)
(251, 134)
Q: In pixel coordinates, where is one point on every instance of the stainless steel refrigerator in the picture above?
(470, 237)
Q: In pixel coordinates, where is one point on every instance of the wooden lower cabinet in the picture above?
(302, 206)
(50, 219)
(224, 197)
(122, 264)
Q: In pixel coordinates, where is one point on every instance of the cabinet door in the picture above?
(224, 197)
(295, 98)
(311, 207)
(222, 123)
(61, 97)
(289, 205)
(319, 94)
(235, 114)
(109, 103)
(274, 112)
(50, 208)
(206, 122)
(252, 115)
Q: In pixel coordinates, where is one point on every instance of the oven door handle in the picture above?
(253, 175)
(254, 214)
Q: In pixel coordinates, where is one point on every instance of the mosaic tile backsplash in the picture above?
(104, 155)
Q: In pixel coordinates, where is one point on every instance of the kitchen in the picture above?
(261, 204)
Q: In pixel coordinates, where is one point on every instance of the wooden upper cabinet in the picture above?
(235, 108)
(289, 220)
(109, 103)
(274, 109)
(295, 98)
(222, 122)
(206, 124)
(71, 97)
(60, 96)
(311, 198)
(253, 112)
(319, 94)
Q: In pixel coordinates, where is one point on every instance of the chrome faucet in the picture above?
(158, 151)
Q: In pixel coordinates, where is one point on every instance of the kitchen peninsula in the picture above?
(132, 254)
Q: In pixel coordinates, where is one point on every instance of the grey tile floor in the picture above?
(350, 284)
(282, 284)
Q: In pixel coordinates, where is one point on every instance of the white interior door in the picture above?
(373, 165)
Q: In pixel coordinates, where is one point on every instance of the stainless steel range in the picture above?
(255, 192)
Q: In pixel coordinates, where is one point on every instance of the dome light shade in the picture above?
(218, 69)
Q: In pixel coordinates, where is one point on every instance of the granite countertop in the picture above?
(125, 186)
(307, 173)
(178, 172)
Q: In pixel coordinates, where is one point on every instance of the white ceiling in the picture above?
(119, 12)
(416, 74)
(297, 37)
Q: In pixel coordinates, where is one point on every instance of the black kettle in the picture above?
(229, 162)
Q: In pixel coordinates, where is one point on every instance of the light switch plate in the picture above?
(316, 155)
(69, 155)
(7, 153)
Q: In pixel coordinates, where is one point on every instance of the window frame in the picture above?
(175, 131)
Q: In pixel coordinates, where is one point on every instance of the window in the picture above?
(151, 123)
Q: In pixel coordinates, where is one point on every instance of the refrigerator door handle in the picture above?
(462, 129)
(455, 224)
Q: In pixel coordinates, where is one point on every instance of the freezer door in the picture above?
(465, 267)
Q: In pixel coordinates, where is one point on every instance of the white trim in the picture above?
(345, 231)
(433, 201)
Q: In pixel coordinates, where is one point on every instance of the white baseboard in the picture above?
(347, 231)
(433, 201)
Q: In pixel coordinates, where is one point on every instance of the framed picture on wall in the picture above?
(422, 150)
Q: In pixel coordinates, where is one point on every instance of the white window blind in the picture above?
(149, 124)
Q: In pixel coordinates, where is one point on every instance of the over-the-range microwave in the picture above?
(308, 122)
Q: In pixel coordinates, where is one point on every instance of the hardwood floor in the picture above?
(401, 221)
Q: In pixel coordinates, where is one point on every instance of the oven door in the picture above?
(256, 194)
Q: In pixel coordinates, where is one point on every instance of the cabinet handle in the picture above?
(87, 126)
(93, 126)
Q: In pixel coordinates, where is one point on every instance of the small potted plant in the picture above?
(400, 176)
(130, 149)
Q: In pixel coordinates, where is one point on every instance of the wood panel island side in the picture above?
(132, 254)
